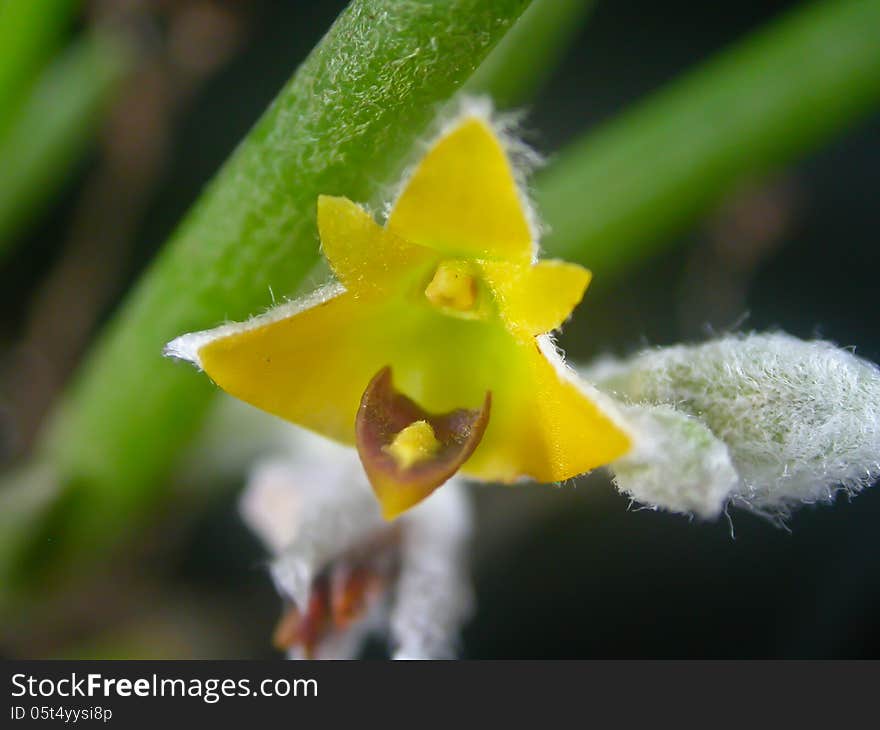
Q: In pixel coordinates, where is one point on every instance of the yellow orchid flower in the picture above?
(431, 352)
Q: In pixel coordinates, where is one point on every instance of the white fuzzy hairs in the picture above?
(764, 421)
(312, 503)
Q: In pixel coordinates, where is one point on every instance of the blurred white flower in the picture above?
(343, 571)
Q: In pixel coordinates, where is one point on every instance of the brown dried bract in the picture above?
(341, 595)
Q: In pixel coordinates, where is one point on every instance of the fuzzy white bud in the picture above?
(801, 420)
(677, 463)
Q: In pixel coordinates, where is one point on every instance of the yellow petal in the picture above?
(543, 425)
(309, 368)
(361, 253)
(578, 434)
(463, 199)
(539, 298)
(313, 366)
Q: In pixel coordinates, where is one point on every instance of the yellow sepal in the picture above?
(462, 199)
(539, 298)
(363, 254)
(310, 368)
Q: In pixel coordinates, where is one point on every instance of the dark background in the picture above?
(562, 572)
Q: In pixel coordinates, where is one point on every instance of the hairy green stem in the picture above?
(614, 198)
(520, 64)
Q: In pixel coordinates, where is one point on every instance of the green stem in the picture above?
(345, 124)
(520, 64)
(53, 124)
(615, 197)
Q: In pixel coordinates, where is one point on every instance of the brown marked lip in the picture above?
(383, 414)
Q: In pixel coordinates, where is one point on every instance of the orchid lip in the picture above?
(450, 438)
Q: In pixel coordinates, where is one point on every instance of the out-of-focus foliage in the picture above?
(53, 124)
(29, 33)
(616, 195)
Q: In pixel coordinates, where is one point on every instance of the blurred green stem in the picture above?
(613, 198)
(52, 125)
(345, 124)
(30, 30)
